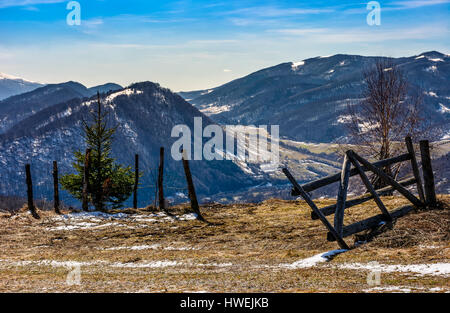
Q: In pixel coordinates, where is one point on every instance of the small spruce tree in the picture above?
(109, 183)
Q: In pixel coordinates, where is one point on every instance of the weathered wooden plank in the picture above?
(415, 168)
(328, 210)
(389, 180)
(162, 205)
(368, 185)
(86, 169)
(311, 186)
(428, 176)
(308, 200)
(191, 189)
(29, 181)
(56, 188)
(342, 196)
(371, 222)
(136, 180)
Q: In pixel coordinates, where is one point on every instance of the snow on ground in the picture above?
(151, 264)
(212, 109)
(314, 260)
(94, 220)
(153, 247)
(402, 289)
(434, 269)
(126, 92)
(431, 94)
(391, 289)
(143, 264)
(296, 65)
(443, 108)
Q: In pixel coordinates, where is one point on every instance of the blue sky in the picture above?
(187, 45)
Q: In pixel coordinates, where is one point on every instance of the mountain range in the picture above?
(308, 99)
(144, 113)
(17, 108)
(11, 85)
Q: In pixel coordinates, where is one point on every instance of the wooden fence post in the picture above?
(87, 165)
(415, 168)
(342, 196)
(191, 188)
(312, 205)
(162, 205)
(56, 188)
(428, 176)
(31, 206)
(136, 180)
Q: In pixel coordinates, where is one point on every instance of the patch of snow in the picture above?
(269, 167)
(152, 264)
(443, 108)
(436, 59)
(207, 92)
(344, 119)
(11, 77)
(188, 217)
(295, 65)
(432, 68)
(142, 247)
(434, 269)
(431, 94)
(53, 263)
(215, 264)
(211, 109)
(393, 289)
(420, 57)
(314, 260)
(82, 225)
(126, 92)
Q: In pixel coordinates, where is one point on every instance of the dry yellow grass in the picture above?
(245, 248)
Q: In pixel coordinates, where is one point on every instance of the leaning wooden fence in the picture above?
(426, 193)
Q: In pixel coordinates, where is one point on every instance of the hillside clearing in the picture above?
(269, 247)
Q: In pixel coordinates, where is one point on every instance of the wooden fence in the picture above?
(85, 185)
(426, 192)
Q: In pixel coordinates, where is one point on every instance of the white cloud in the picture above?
(325, 35)
(418, 3)
(19, 3)
(227, 70)
(270, 11)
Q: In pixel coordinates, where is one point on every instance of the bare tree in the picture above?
(388, 112)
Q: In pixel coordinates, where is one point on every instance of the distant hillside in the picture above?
(104, 88)
(11, 85)
(308, 98)
(16, 108)
(145, 114)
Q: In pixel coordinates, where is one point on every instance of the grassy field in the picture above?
(269, 247)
